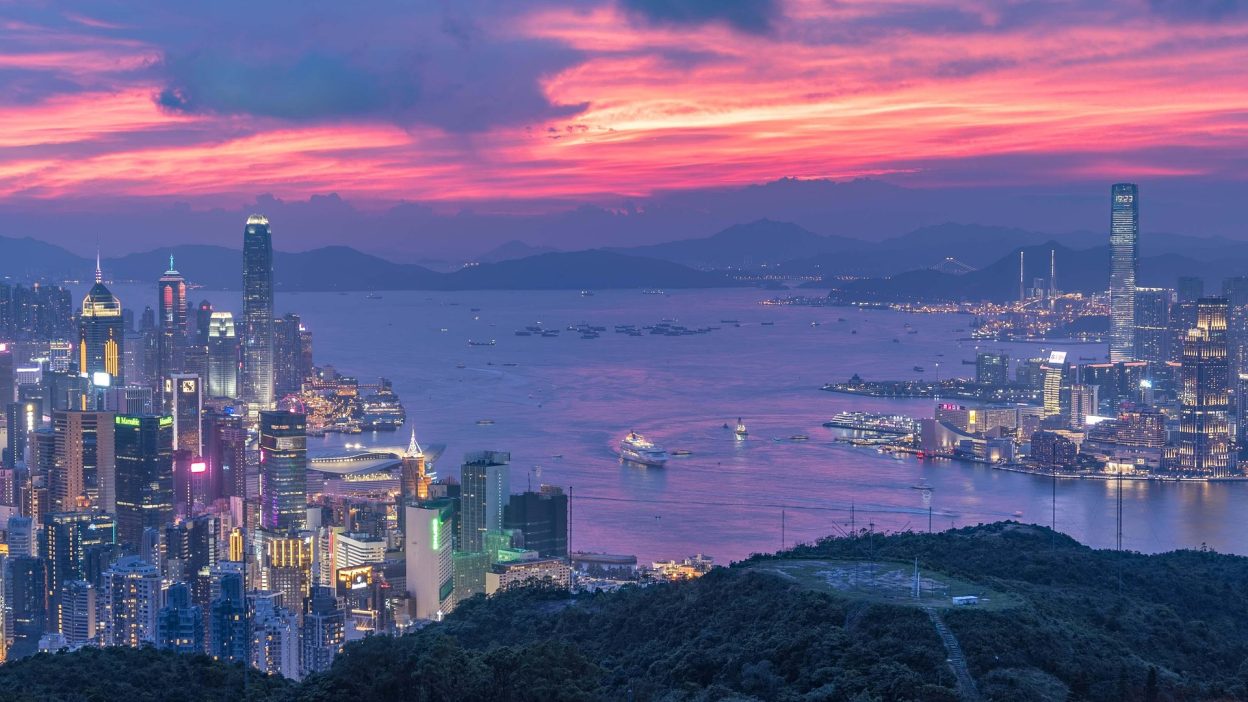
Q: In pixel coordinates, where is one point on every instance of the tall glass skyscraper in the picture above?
(283, 471)
(258, 313)
(1124, 234)
(222, 356)
(144, 459)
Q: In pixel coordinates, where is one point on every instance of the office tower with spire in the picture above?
(1203, 446)
(172, 320)
(257, 343)
(1124, 234)
(415, 480)
(101, 332)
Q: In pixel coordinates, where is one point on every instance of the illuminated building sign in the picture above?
(127, 421)
(199, 467)
(166, 421)
(357, 578)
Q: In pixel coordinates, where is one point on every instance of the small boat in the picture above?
(485, 422)
(372, 296)
(769, 324)
(587, 293)
(854, 331)
(682, 452)
(510, 365)
(474, 309)
(815, 324)
(741, 432)
(1018, 513)
(653, 292)
(460, 365)
(481, 343)
(918, 369)
(557, 455)
(799, 437)
(896, 341)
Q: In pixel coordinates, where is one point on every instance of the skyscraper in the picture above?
(542, 520)
(1204, 395)
(84, 471)
(257, 345)
(222, 356)
(287, 355)
(283, 470)
(144, 458)
(1124, 234)
(1152, 324)
(485, 489)
(430, 567)
(101, 332)
(184, 399)
(172, 320)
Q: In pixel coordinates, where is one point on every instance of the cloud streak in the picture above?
(481, 103)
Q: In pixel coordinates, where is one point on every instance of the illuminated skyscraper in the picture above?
(184, 399)
(257, 344)
(222, 356)
(1204, 395)
(1152, 324)
(287, 355)
(485, 489)
(283, 470)
(1124, 234)
(429, 563)
(172, 320)
(144, 460)
(83, 475)
(101, 332)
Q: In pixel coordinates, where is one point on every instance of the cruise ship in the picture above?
(635, 449)
(382, 411)
(878, 423)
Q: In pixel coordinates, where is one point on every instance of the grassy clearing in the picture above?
(888, 582)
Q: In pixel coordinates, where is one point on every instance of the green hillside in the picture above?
(832, 621)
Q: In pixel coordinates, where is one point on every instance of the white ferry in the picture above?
(635, 449)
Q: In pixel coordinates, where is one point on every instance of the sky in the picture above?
(442, 125)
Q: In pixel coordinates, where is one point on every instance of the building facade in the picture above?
(257, 343)
(1124, 234)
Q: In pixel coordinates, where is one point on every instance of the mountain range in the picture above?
(345, 268)
(900, 267)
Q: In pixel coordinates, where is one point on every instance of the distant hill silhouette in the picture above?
(1085, 270)
(345, 268)
(747, 245)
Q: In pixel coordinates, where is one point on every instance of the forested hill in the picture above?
(1056, 626)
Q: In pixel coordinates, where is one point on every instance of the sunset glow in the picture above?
(831, 90)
